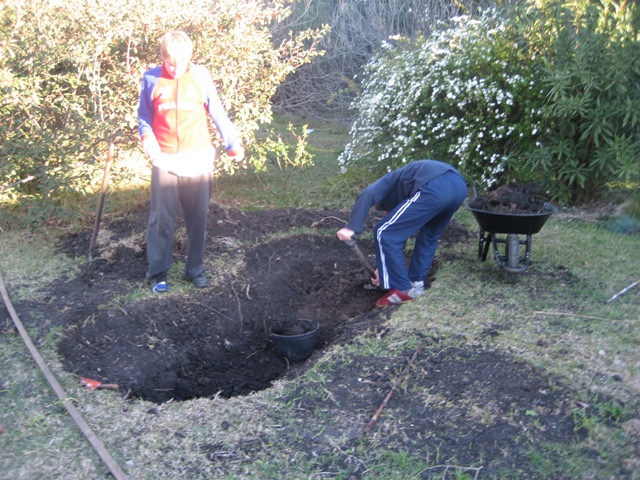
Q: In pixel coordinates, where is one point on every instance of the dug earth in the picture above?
(268, 269)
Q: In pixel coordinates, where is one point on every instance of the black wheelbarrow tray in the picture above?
(493, 224)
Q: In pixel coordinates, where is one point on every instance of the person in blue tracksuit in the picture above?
(420, 197)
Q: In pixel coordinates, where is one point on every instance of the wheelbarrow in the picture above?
(516, 230)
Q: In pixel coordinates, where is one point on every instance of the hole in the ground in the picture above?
(218, 341)
(215, 341)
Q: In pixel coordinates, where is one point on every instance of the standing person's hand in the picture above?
(151, 148)
(345, 234)
(236, 153)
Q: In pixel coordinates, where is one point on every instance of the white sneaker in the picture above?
(417, 289)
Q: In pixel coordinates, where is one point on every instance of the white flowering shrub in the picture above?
(469, 95)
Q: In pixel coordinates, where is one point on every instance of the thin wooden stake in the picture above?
(395, 387)
(67, 401)
(103, 192)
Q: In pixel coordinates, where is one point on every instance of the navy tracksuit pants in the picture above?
(168, 192)
(428, 212)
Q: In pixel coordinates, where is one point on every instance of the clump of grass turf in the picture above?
(625, 224)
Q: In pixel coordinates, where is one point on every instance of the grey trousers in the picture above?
(169, 191)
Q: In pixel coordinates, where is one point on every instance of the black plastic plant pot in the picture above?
(293, 345)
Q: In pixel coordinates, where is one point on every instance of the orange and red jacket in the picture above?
(175, 111)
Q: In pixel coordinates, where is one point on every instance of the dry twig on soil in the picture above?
(396, 385)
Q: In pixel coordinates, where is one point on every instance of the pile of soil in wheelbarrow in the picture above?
(526, 198)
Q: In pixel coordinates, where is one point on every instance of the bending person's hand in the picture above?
(375, 281)
(345, 234)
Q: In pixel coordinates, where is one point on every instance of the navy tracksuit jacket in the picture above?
(419, 197)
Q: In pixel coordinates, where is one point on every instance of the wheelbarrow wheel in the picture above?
(513, 258)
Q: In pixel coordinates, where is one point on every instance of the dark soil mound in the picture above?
(217, 340)
(460, 382)
(525, 198)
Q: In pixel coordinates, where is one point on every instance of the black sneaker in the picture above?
(199, 281)
(159, 284)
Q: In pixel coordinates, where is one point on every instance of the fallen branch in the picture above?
(395, 387)
(569, 314)
(624, 290)
(24, 180)
(318, 222)
(28, 179)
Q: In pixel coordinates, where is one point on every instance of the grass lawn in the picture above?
(557, 320)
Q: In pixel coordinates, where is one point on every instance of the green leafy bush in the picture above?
(70, 76)
(287, 154)
(467, 95)
(548, 90)
(591, 137)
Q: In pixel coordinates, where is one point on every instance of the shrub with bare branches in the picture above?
(328, 85)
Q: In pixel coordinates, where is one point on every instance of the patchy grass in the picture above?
(556, 318)
(308, 187)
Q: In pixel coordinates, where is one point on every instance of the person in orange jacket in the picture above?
(176, 99)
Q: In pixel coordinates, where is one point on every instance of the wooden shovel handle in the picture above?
(108, 386)
(354, 246)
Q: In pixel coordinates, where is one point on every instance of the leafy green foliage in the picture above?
(592, 73)
(288, 153)
(70, 75)
(632, 207)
